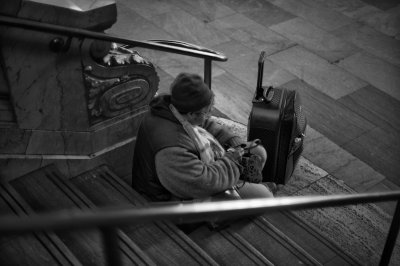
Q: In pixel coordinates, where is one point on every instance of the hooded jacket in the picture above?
(166, 162)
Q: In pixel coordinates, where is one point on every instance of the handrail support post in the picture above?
(207, 71)
(392, 236)
(111, 247)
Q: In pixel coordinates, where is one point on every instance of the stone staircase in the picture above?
(271, 239)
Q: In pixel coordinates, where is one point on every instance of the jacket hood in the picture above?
(159, 106)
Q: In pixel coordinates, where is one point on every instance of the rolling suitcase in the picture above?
(278, 120)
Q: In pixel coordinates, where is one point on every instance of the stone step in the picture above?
(272, 243)
(105, 189)
(47, 190)
(163, 242)
(309, 239)
(260, 237)
(359, 230)
(36, 249)
(228, 248)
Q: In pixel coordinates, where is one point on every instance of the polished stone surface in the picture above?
(372, 41)
(375, 71)
(251, 34)
(228, 89)
(340, 163)
(318, 41)
(325, 77)
(177, 22)
(322, 112)
(386, 22)
(314, 12)
(379, 107)
(138, 28)
(242, 63)
(378, 148)
(204, 10)
(351, 8)
(383, 4)
(260, 11)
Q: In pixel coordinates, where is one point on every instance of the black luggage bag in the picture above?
(277, 119)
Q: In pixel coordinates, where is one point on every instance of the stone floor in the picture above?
(342, 55)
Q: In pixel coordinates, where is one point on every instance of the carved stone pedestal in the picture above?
(66, 100)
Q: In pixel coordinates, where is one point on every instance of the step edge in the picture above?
(194, 250)
(48, 239)
(242, 244)
(167, 227)
(312, 230)
(86, 203)
(122, 184)
(189, 247)
(74, 194)
(286, 241)
(126, 243)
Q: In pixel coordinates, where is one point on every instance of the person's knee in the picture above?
(252, 191)
(261, 152)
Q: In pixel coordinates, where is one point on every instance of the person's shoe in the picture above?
(272, 186)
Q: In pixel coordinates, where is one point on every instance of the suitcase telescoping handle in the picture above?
(262, 94)
(260, 75)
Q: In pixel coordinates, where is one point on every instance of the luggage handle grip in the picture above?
(268, 94)
(259, 89)
(263, 94)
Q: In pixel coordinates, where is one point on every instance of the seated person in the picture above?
(179, 152)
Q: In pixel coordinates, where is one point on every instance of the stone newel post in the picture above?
(65, 100)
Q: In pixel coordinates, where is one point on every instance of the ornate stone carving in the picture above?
(112, 96)
(119, 55)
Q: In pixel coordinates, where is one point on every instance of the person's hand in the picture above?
(235, 154)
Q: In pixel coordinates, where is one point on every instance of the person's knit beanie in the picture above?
(189, 93)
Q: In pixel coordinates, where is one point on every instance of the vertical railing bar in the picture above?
(392, 236)
(207, 71)
(111, 247)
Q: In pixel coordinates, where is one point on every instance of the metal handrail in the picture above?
(181, 212)
(170, 46)
(109, 218)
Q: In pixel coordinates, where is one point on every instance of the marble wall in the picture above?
(68, 107)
